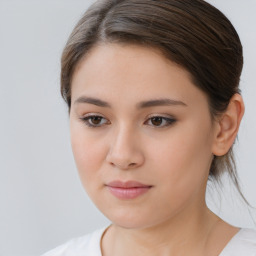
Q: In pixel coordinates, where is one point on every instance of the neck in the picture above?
(186, 233)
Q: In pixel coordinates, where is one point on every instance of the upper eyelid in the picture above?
(164, 116)
(85, 119)
(167, 116)
(92, 115)
(169, 121)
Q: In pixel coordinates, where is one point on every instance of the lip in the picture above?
(127, 190)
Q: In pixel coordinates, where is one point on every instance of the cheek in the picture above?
(89, 155)
(183, 161)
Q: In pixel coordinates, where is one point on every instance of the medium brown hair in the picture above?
(191, 33)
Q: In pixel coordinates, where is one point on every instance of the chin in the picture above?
(131, 220)
(125, 218)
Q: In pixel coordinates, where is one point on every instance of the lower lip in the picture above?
(128, 193)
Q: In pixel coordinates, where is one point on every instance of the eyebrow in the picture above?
(160, 102)
(143, 104)
(93, 101)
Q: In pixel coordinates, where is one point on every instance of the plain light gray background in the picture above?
(42, 201)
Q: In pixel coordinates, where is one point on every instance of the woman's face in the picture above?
(141, 134)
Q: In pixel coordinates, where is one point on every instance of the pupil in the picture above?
(96, 119)
(157, 121)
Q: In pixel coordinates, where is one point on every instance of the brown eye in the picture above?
(157, 121)
(94, 121)
(160, 121)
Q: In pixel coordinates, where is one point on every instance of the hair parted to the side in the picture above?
(193, 34)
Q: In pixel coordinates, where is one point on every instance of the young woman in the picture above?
(153, 94)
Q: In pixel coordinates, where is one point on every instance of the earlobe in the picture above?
(227, 126)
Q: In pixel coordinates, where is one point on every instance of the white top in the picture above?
(242, 244)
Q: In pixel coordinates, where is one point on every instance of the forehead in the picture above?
(131, 72)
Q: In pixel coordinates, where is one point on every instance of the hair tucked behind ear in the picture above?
(194, 34)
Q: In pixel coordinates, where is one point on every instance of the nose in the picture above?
(125, 151)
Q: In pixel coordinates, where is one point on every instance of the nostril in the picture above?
(123, 166)
(124, 159)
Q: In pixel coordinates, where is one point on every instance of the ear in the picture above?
(227, 125)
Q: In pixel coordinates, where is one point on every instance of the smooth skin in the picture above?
(135, 115)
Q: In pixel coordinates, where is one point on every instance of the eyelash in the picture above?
(87, 120)
(168, 121)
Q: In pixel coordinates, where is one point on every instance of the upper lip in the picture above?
(127, 184)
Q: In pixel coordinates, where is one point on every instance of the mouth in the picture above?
(128, 189)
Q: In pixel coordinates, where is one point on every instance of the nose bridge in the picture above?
(124, 137)
(125, 151)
